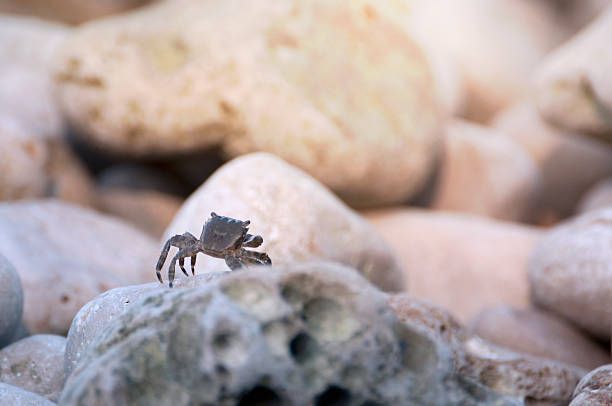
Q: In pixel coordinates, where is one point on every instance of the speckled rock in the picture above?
(597, 197)
(595, 388)
(448, 255)
(11, 301)
(296, 335)
(298, 218)
(361, 121)
(571, 268)
(12, 395)
(494, 44)
(539, 333)
(574, 87)
(148, 210)
(485, 173)
(569, 162)
(530, 379)
(35, 364)
(77, 252)
(70, 11)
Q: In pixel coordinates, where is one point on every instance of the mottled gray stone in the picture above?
(11, 301)
(35, 364)
(295, 335)
(12, 395)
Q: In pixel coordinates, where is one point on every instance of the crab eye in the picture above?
(213, 214)
(246, 223)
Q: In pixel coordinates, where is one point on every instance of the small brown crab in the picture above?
(222, 237)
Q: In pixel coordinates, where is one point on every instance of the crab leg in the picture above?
(181, 254)
(193, 262)
(256, 258)
(180, 241)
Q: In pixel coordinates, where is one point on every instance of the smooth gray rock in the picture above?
(12, 395)
(11, 301)
(35, 364)
(310, 333)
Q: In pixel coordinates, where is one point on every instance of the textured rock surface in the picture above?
(188, 74)
(595, 388)
(148, 210)
(569, 163)
(484, 173)
(304, 334)
(571, 268)
(70, 11)
(298, 218)
(510, 373)
(35, 364)
(12, 395)
(574, 84)
(538, 333)
(448, 255)
(598, 197)
(66, 255)
(11, 301)
(495, 45)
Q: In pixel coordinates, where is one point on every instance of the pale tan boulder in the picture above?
(597, 197)
(484, 173)
(298, 218)
(569, 163)
(188, 74)
(574, 86)
(461, 262)
(570, 271)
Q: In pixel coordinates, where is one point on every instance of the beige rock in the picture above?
(188, 74)
(570, 271)
(577, 13)
(35, 364)
(574, 88)
(66, 255)
(538, 333)
(149, 210)
(11, 301)
(510, 373)
(597, 197)
(569, 162)
(299, 219)
(485, 173)
(12, 395)
(495, 45)
(70, 11)
(448, 257)
(595, 388)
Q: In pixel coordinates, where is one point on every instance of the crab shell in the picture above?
(222, 233)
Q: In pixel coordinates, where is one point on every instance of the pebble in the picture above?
(574, 87)
(298, 218)
(35, 364)
(12, 395)
(66, 255)
(484, 173)
(130, 88)
(595, 388)
(446, 256)
(11, 301)
(570, 272)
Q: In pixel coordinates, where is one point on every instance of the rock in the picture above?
(485, 173)
(70, 11)
(361, 121)
(570, 272)
(518, 375)
(35, 364)
(575, 14)
(12, 395)
(595, 388)
(11, 301)
(597, 197)
(148, 210)
(495, 45)
(539, 333)
(66, 255)
(297, 217)
(142, 177)
(446, 256)
(574, 89)
(310, 333)
(93, 318)
(569, 163)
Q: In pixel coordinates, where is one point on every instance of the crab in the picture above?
(222, 237)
